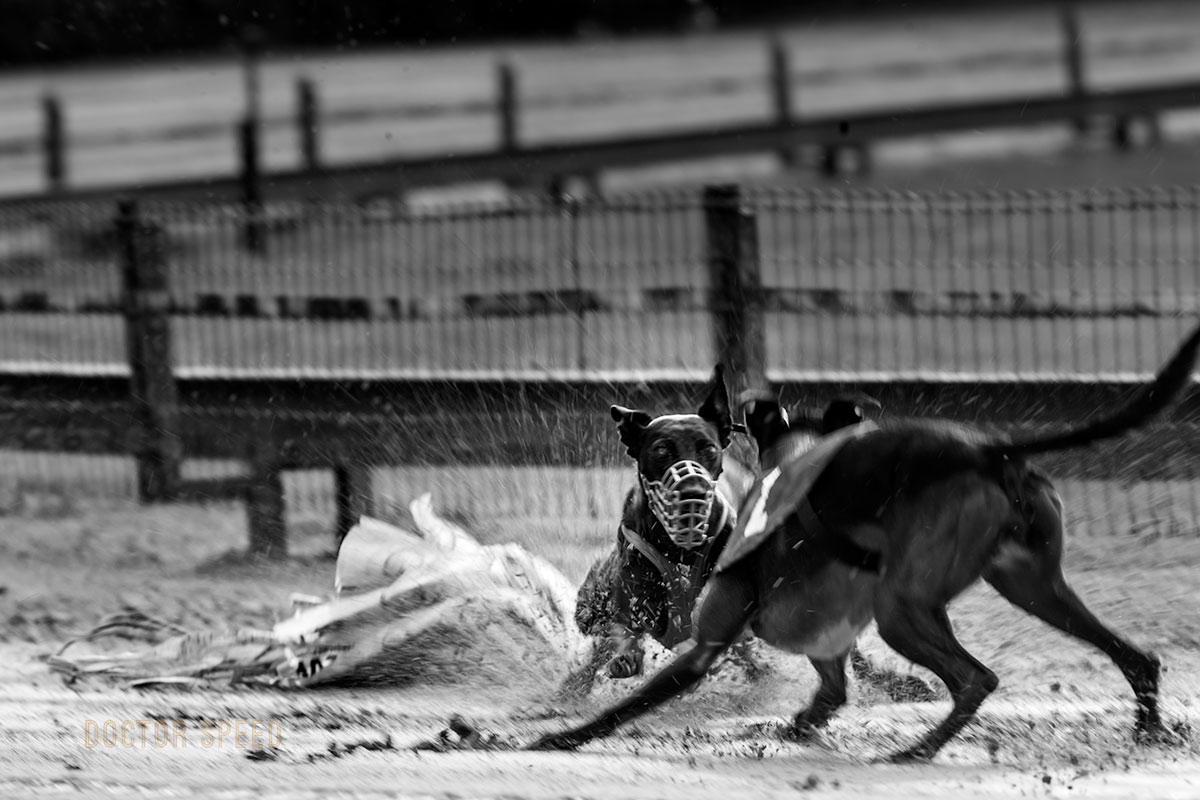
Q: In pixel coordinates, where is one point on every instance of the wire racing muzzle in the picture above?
(683, 501)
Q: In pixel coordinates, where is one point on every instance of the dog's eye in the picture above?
(660, 450)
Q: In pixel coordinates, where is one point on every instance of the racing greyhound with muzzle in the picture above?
(676, 522)
(939, 505)
(674, 525)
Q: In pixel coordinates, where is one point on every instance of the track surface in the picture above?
(1058, 727)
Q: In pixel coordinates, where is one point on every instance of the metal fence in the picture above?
(1074, 285)
(1054, 286)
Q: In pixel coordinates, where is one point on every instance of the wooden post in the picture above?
(148, 335)
(54, 143)
(355, 496)
(252, 38)
(736, 287)
(1068, 15)
(307, 122)
(248, 136)
(252, 233)
(781, 95)
(506, 106)
(265, 507)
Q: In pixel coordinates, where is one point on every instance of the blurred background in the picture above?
(104, 95)
(346, 252)
(60, 32)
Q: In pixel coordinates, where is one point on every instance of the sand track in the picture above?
(1058, 727)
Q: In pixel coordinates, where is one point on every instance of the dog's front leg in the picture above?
(678, 676)
(830, 696)
(729, 606)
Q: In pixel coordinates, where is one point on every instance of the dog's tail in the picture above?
(1153, 398)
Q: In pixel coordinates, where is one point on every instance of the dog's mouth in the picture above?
(683, 501)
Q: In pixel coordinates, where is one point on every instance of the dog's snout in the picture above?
(693, 489)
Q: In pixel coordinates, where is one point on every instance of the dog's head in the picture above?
(679, 457)
(773, 427)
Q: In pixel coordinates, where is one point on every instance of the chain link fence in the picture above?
(988, 289)
(1043, 285)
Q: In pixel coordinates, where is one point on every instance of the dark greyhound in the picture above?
(674, 526)
(940, 505)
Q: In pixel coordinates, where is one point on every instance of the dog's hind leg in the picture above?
(830, 696)
(1053, 601)
(923, 635)
(1029, 575)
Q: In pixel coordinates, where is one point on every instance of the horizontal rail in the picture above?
(541, 163)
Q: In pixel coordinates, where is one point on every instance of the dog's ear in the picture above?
(631, 425)
(841, 413)
(845, 411)
(766, 419)
(715, 408)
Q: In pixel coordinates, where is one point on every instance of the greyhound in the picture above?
(940, 505)
(674, 527)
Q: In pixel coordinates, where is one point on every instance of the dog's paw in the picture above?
(626, 665)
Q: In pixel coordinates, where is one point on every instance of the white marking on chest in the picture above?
(810, 638)
(758, 516)
(834, 640)
(1010, 555)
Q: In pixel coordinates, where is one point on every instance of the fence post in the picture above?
(736, 287)
(54, 142)
(248, 135)
(148, 336)
(307, 122)
(781, 94)
(352, 483)
(1068, 15)
(265, 505)
(506, 106)
(252, 234)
